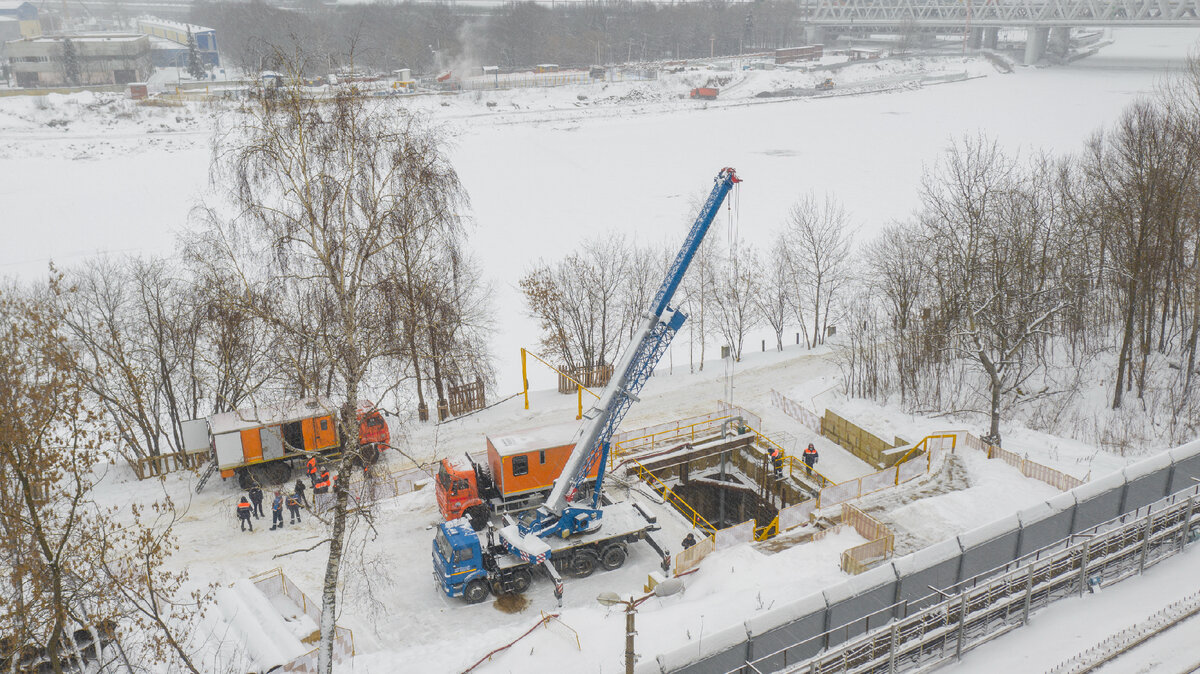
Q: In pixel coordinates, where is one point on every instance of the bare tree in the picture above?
(325, 195)
(819, 243)
(776, 295)
(1143, 172)
(56, 537)
(734, 297)
(582, 302)
(896, 274)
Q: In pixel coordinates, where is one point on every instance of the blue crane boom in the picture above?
(558, 517)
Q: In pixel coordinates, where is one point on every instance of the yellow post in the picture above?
(579, 394)
(524, 378)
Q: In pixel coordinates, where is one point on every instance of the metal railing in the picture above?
(696, 519)
(672, 434)
(978, 610)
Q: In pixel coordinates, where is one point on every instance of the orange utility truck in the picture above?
(258, 444)
(520, 470)
(705, 93)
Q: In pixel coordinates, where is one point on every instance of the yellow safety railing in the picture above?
(674, 499)
(769, 531)
(648, 441)
(922, 446)
(794, 463)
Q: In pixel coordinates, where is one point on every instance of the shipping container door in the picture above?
(310, 438)
(271, 438)
(326, 433)
(229, 450)
(251, 446)
(195, 434)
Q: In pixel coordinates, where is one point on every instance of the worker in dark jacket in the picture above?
(300, 493)
(810, 458)
(277, 512)
(777, 462)
(243, 512)
(293, 506)
(688, 541)
(256, 499)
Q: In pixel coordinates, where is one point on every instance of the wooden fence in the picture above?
(590, 377)
(464, 398)
(1033, 469)
(154, 466)
(879, 546)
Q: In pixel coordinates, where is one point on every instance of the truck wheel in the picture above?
(522, 579)
(245, 480)
(584, 563)
(613, 557)
(475, 592)
(477, 515)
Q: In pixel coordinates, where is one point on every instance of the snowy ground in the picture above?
(398, 615)
(107, 175)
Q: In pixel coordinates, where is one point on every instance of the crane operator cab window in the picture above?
(520, 465)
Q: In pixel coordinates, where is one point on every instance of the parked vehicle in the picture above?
(825, 85)
(707, 93)
(520, 470)
(259, 444)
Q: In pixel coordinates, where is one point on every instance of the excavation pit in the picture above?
(726, 481)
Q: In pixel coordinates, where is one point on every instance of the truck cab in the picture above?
(458, 561)
(457, 488)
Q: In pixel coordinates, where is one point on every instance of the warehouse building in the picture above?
(169, 42)
(101, 58)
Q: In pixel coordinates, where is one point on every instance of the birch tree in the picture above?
(324, 195)
(819, 240)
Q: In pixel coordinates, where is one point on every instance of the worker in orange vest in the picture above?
(311, 465)
(321, 485)
(810, 458)
(243, 512)
(777, 462)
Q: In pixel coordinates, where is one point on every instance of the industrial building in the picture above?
(169, 42)
(100, 58)
(24, 15)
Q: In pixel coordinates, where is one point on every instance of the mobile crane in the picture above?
(562, 534)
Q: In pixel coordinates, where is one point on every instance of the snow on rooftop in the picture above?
(531, 439)
(269, 415)
(167, 23)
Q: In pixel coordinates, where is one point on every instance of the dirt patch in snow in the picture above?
(511, 603)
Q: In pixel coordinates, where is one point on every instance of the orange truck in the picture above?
(707, 93)
(519, 472)
(259, 445)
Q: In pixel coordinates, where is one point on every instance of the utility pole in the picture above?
(664, 589)
(712, 41)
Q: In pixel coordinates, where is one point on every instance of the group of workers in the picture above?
(809, 456)
(250, 504)
(776, 454)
